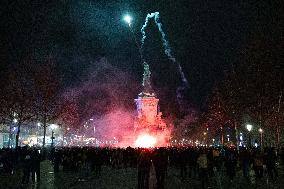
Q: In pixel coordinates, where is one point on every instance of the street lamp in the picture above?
(249, 128)
(222, 135)
(52, 126)
(260, 130)
(15, 120)
(205, 137)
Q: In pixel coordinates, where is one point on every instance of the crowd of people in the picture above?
(27, 159)
(152, 163)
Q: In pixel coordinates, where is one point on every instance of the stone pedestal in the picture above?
(148, 117)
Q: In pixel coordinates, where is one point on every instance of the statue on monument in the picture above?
(146, 83)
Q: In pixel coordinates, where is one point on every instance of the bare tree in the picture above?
(47, 91)
(17, 96)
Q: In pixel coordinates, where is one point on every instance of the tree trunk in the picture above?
(222, 136)
(10, 136)
(236, 135)
(18, 133)
(44, 130)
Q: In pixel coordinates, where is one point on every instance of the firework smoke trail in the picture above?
(166, 45)
(144, 27)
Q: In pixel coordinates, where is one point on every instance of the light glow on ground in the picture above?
(145, 141)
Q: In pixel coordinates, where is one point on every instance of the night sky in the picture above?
(206, 38)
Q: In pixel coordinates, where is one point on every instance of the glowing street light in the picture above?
(53, 126)
(260, 130)
(249, 127)
(15, 120)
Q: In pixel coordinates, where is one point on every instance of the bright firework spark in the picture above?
(145, 141)
(127, 19)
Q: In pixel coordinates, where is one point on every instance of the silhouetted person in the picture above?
(271, 163)
(160, 161)
(26, 169)
(97, 163)
(230, 164)
(282, 156)
(192, 163)
(144, 164)
(182, 162)
(258, 164)
(202, 162)
(56, 161)
(245, 161)
(35, 165)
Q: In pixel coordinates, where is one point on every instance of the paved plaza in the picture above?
(127, 179)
